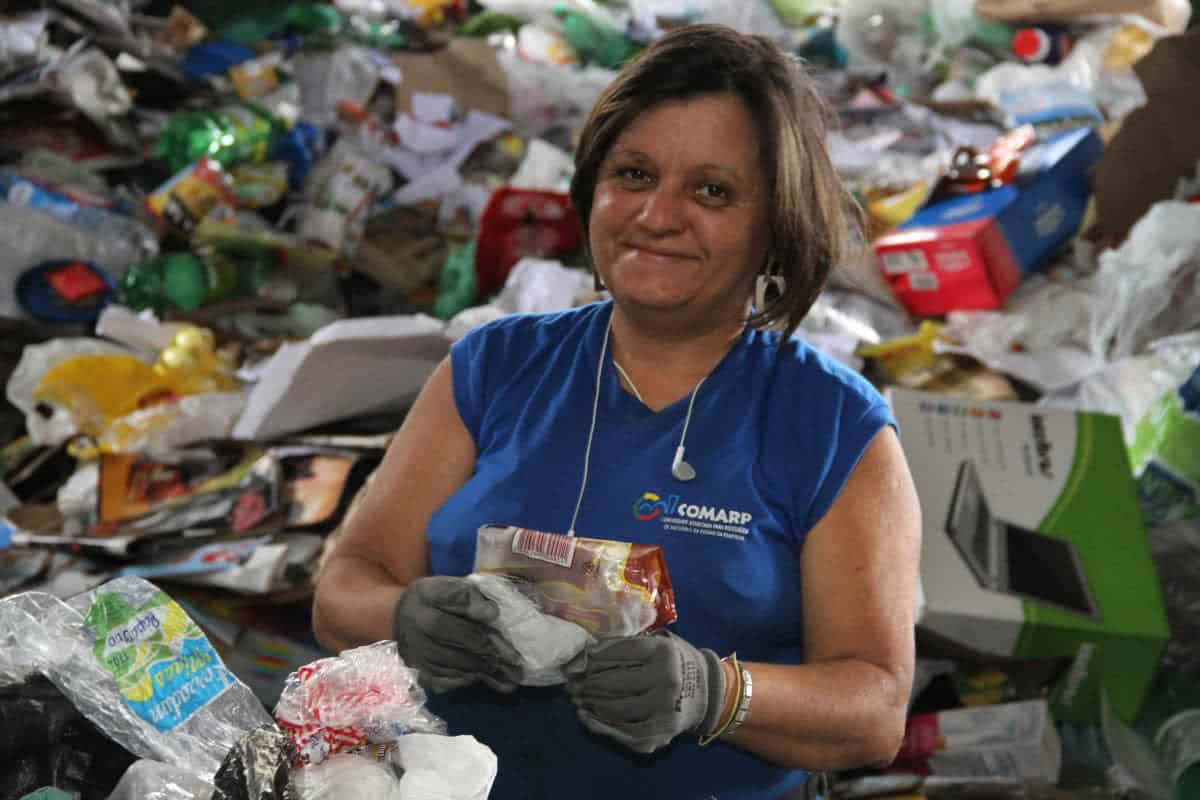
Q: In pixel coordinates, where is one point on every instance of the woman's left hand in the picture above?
(643, 691)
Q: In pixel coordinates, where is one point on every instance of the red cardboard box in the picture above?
(971, 252)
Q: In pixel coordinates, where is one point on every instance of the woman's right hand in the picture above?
(443, 627)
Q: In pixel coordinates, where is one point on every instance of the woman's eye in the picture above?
(714, 192)
(633, 174)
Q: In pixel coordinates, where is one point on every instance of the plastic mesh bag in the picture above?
(134, 663)
(363, 696)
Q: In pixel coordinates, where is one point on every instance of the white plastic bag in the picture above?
(346, 777)
(445, 767)
(1150, 286)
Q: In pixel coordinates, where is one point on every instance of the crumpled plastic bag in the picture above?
(1129, 388)
(45, 741)
(348, 777)
(1150, 286)
(1175, 548)
(366, 695)
(444, 767)
(154, 780)
(258, 767)
(545, 643)
(134, 663)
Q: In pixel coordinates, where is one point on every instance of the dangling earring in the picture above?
(769, 286)
(596, 282)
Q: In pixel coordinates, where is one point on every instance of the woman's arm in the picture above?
(846, 706)
(382, 546)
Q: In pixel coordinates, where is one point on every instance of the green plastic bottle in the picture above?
(458, 284)
(230, 135)
(593, 40)
(183, 282)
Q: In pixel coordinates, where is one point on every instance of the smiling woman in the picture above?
(791, 529)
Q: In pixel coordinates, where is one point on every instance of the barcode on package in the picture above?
(552, 548)
(898, 262)
(923, 281)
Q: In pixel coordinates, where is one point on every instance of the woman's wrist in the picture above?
(729, 703)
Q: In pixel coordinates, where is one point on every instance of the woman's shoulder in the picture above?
(534, 331)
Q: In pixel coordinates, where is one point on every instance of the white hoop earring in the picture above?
(769, 288)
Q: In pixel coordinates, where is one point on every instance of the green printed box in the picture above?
(1033, 544)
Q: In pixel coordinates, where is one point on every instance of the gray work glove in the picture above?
(643, 691)
(443, 629)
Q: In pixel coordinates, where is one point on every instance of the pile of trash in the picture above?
(239, 237)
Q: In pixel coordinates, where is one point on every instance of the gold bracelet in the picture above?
(721, 728)
(746, 682)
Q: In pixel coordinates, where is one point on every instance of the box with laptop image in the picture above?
(1034, 546)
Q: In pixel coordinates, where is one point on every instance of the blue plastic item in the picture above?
(214, 58)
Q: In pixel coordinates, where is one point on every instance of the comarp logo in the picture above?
(650, 506)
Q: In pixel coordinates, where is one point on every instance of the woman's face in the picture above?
(679, 217)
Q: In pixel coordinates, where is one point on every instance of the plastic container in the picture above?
(229, 135)
(594, 40)
(183, 282)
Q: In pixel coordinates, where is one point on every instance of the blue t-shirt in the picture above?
(774, 435)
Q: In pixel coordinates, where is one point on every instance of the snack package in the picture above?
(609, 588)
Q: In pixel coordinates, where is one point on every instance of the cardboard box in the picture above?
(1033, 544)
(1009, 740)
(971, 252)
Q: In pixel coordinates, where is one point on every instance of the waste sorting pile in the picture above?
(236, 239)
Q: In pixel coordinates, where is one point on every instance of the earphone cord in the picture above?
(587, 453)
(687, 419)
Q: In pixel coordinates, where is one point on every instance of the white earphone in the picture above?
(681, 469)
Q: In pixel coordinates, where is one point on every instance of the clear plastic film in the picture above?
(154, 780)
(361, 697)
(1176, 551)
(545, 643)
(133, 663)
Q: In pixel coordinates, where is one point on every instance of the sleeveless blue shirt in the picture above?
(775, 432)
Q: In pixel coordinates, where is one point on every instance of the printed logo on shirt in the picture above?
(683, 516)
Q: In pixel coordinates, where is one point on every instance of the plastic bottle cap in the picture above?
(1031, 44)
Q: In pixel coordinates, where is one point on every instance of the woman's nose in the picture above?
(663, 211)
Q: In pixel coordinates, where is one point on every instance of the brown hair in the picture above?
(810, 212)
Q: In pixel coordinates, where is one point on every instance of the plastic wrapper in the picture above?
(1129, 388)
(609, 588)
(347, 777)
(154, 780)
(22, 40)
(363, 696)
(1150, 286)
(546, 97)
(545, 643)
(134, 663)
(258, 767)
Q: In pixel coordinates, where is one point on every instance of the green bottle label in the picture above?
(164, 667)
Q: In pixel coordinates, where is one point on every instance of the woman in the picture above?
(701, 174)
